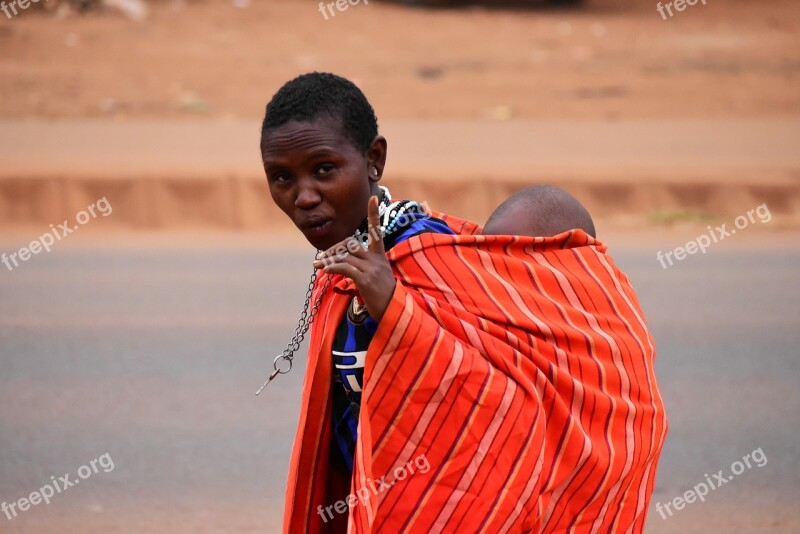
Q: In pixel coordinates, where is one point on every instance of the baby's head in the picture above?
(540, 211)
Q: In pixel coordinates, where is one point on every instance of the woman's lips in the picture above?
(320, 229)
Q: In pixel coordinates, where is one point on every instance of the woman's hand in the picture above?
(368, 269)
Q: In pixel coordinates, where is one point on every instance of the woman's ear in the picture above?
(376, 158)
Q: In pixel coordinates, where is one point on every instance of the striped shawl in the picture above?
(519, 369)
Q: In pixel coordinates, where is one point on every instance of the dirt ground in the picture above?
(497, 96)
(609, 59)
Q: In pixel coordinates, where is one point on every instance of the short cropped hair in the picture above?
(543, 210)
(323, 95)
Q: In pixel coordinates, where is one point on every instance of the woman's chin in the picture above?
(326, 236)
(320, 237)
(322, 243)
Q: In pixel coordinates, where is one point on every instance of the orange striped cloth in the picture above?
(519, 369)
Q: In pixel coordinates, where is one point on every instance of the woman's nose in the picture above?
(307, 197)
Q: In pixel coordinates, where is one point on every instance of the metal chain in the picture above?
(303, 325)
(307, 318)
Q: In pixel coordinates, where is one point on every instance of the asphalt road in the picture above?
(152, 355)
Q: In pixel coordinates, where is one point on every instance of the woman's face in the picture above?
(319, 179)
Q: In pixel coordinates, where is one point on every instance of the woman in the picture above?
(519, 370)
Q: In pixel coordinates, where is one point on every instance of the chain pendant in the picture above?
(272, 376)
(304, 324)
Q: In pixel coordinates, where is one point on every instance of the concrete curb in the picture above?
(242, 204)
(207, 175)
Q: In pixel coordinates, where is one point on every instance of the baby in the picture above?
(540, 211)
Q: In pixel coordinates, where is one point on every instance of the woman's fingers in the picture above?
(344, 268)
(368, 269)
(361, 264)
(348, 247)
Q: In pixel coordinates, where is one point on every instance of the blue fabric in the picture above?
(350, 345)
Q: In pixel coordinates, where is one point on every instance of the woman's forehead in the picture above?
(298, 137)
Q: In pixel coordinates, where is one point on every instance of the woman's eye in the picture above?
(280, 178)
(325, 168)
